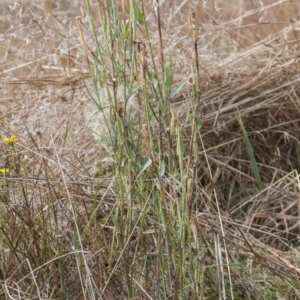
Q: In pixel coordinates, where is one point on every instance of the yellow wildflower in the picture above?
(4, 170)
(10, 140)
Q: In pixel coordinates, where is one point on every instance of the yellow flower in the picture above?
(10, 140)
(4, 170)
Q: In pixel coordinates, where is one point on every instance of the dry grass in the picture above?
(181, 201)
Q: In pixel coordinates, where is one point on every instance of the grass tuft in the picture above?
(150, 150)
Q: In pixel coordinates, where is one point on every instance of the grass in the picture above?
(150, 152)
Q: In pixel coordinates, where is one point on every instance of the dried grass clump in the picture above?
(101, 201)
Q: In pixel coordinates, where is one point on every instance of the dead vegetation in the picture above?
(135, 215)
